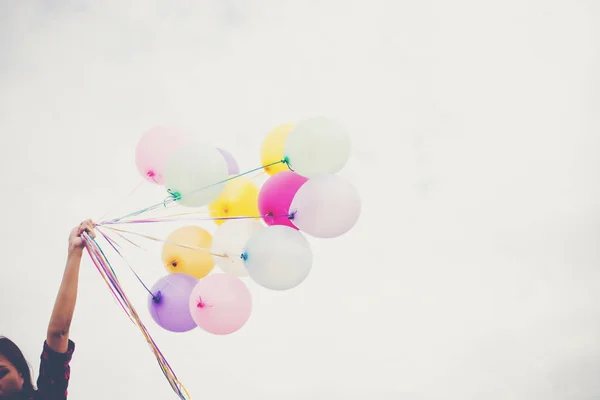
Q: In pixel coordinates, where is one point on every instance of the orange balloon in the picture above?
(187, 250)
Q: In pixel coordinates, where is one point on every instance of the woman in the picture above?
(53, 380)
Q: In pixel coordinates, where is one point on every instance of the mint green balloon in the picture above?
(193, 173)
(317, 146)
(278, 257)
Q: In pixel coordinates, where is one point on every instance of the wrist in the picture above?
(75, 252)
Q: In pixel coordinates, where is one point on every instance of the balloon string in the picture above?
(113, 243)
(181, 214)
(258, 175)
(167, 219)
(145, 287)
(174, 205)
(112, 283)
(179, 289)
(174, 196)
(129, 241)
(168, 242)
(104, 267)
(135, 189)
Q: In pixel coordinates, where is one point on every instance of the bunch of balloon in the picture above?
(261, 231)
(195, 175)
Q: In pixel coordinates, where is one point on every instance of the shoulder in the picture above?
(55, 373)
(48, 353)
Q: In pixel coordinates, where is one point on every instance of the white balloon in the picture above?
(278, 257)
(193, 171)
(230, 239)
(317, 146)
(326, 207)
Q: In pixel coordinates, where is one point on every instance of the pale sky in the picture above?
(473, 271)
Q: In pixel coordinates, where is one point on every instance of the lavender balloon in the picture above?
(232, 165)
(327, 206)
(169, 307)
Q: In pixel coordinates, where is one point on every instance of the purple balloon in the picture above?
(232, 165)
(169, 305)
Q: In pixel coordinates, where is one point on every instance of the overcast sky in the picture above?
(473, 271)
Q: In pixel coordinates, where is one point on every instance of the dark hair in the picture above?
(15, 356)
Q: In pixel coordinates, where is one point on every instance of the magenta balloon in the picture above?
(154, 149)
(276, 195)
(232, 165)
(220, 304)
(169, 307)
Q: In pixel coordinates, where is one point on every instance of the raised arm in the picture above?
(64, 307)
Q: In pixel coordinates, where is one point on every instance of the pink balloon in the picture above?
(276, 195)
(220, 304)
(154, 149)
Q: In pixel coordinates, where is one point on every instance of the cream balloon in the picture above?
(194, 174)
(230, 239)
(317, 146)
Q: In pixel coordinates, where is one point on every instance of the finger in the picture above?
(89, 227)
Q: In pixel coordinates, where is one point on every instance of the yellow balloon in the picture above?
(238, 199)
(194, 260)
(272, 148)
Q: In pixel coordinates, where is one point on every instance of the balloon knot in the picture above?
(244, 256)
(200, 303)
(269, 217)
(286, 161)
(152, 175)
(174, 195)
(157, 297)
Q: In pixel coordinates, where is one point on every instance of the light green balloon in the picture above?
(278, 257)
(317, 146)
(194, 172)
